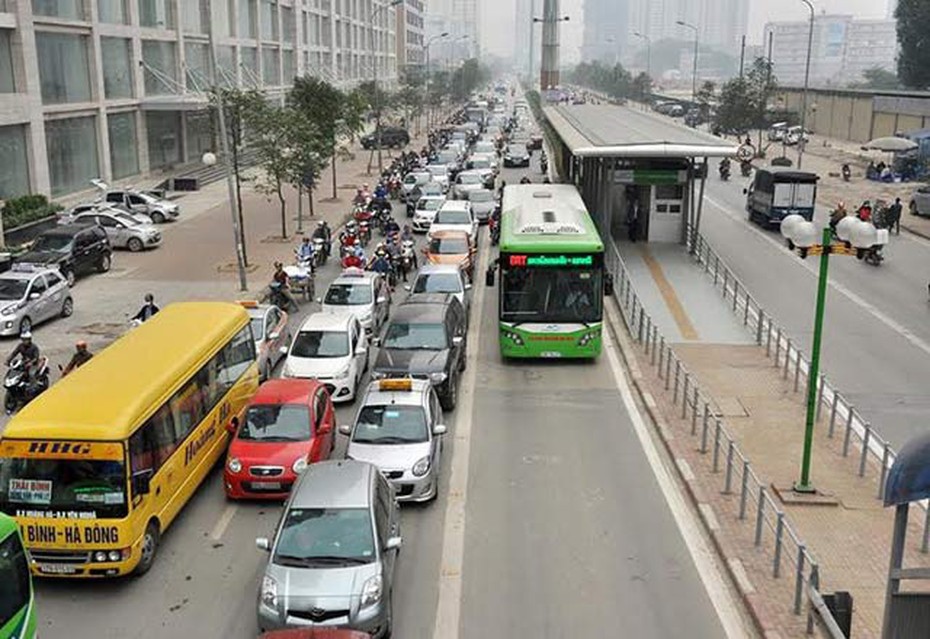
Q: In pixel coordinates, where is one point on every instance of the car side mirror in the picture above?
(407, 287)
(345, 429)
(467, 286)
(283, 350)
(439, 429)
(457, 340)
(35, 296)
(489, 278)
(393, 543)
(319, 300)
(273, 336)
(263, 543)
(375, 340)
(232, 426)
(141, 482)
(361, 350)
(382, 299)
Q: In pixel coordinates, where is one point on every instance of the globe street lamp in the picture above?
(687, 25)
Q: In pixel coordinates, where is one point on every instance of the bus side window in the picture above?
(141, 457)
(187, 409)
(161, 426)
(238, 355)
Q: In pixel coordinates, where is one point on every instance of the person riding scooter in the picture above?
(27, 350)
(724, 169)
(304, 250)
(323, 232)
(81, 356)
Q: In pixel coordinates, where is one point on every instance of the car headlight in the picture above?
(300, 465)
(269, 595)
(234, 465)
(371, 591)
(342, 372)
(437, 378)
(421, 467)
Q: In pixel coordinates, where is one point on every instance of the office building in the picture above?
(409, 38)
(607, 34)
(115, 89)
(721, 24)
(523, 24)
(458, 18)
(841, 50)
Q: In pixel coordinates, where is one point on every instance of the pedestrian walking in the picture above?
(894, 216)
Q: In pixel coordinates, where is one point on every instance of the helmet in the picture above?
(81, 345)
(26, 335)
(149, 298)
(321, 223)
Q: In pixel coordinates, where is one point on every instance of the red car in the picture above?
(289, 423)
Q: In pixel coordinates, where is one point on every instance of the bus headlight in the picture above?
(115, 555)
(100, 556)
(300, 465)
(513, 337)
(587, 338)
(234, 465)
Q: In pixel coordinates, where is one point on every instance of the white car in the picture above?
(467, 181)
(442, 278)
(364, 293)
(483, 203)
(271, 335)
(484, 146)
(440, 173)
(456, 215)
(426, 210)
(414, 179)
(123, 229)
(332, 348)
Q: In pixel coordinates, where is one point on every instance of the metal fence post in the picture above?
(884, 471)
(836, 399)
(677, 376)
(925, 543)
(694, 405)
(639, 332)
(814, 581)
(779, 533)
(820, 385)
(787, 359)
(717, 427)
(760, 515)
(668, 368)
(743, 490)
(726, 277)
(652, 354)
(759, 328)
(865, 449)
(684, 396)
(704, 428)
(797, 370)
(799, 580)
(661, 355)
(716, 268)
(846, 436)
(729, 476)
(777, 346)
(768, 340)
(746, 310)
(735, 293)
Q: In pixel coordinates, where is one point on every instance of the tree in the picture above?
(736, 111)
(705, 97)
(878, 79)
(913, 18)
(378, 101)
(272, 140)
(761, 85)
(323, 104)
(641, 87)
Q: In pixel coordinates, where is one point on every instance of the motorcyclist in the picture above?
(525, 180)
(381, 191)
(380, 262)
(391, 226)
(361, 196)
(148, 309)
(283, 281)
(323, 232)
(81, 356)
(406, 234)
(724, 166)
(304, 250)
(837, 214)
(28, 351)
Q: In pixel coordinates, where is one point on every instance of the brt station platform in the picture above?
(642, 177)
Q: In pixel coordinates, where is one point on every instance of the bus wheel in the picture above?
(149, 548)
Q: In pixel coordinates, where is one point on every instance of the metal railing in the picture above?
(756, 504)
(860, 438)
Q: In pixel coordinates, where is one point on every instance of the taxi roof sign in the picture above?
(403, 384)
(353, 271)
(247, 303)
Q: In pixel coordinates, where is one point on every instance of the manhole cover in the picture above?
(232, 267)
(277, 239)
(106, 329)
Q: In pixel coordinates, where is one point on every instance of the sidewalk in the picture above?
(849, 538)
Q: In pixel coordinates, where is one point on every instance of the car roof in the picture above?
(422, 310)
(19, 272)
(344, 483)
(461, 205)
(430, 268)
(418, 395)
(67, 229)
(285, 390)
(361, 277)
(327, 321)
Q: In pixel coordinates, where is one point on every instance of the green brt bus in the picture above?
(17, 607)
(552, 279)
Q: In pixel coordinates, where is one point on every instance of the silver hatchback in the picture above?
(334, 552)
(29, 296)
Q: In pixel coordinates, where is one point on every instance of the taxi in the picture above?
(451, 247)
(288, 424)
(399, 429)
(366, 294)
(271, 335)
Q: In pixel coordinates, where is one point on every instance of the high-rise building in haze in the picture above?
(523, 24)
(460, 19)
(607, 30)
(409, 36)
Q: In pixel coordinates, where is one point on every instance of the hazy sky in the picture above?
(498, 28)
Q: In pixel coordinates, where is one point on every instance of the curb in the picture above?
(730, 560)
(924, 234)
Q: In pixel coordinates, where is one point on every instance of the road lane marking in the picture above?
(449, 605)
(223, 522)
(705, 560)
(839, 288)
(675, 307)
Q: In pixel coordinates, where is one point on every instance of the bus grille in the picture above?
(59, 556)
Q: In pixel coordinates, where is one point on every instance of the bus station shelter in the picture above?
(637, 171)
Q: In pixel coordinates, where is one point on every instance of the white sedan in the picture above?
(456, 215)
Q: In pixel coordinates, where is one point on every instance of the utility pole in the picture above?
(531, 72)
(742, 56)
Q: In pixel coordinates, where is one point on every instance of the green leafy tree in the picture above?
(736, 111)
(641, 87)
(913, 17)
(761, 85)
(378, 102)
(878, 79)
(705, 97)
(324, 105)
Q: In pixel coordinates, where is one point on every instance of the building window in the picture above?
(290, 72)
(124, 148)
(226, 66)
(63, 68)
(249, 65)
(158, 14)
(199, 134)
(270, 63)
(117, 71)
(248, 17)
(14, 178)
(269, 20)
(112, 11)
(192, 16)
(197, 62)
(164, 138)
(71, 9)
(7, 81)
(71, 147)
(223, 26)
(288, 26)
(161, 73)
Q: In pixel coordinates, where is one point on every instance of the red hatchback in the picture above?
(289, 423)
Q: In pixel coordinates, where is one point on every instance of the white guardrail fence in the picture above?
(757, 506)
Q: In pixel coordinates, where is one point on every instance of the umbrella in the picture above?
(890, 145)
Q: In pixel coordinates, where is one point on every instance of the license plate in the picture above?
(267, 485)
(57, 569)
(550, 354)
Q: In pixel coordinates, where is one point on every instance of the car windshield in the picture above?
(453, 217)
(447, 157)
(15, 591)
(63, 486)
(276, 423)
(438, 283)
(448, 245)
(481, 195)
(348, 294)
(325, 536)
(517, 149)
(469, 178)
(13, 289)
(55, 243)
(258, 328)
(551, 295)
(321, 344)
(410, 336)
(430, 205)
(484, 147)
(437, 171)
(481, 164)
(394, 424)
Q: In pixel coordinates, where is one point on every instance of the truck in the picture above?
(774, 194)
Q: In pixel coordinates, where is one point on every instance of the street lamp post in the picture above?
(855, 236)
(429, 77)
(807, 77)
(687, 25)
(376, 11)
(546, 70)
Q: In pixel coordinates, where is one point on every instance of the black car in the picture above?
(391, 136)
(426, 339)
(74, 249)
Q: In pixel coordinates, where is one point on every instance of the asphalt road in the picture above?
(876, 345)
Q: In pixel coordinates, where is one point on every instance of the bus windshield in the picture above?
(15, 590)
(551, 295)
(64, 486)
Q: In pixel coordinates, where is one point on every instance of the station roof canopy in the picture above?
(604, 130)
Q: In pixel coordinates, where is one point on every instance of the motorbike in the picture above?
(364, 232)
(745, 168)
(21, 387)
(277, 297)
(408, 259)
(302, 276)
(873, 255)
(361, 213)
(847, 173)
(724, 170)
(320, 251)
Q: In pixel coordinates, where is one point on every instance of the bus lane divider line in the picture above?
(449, 604)
(223, 522)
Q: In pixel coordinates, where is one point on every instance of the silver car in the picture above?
(399, 429)
(123, 230)
(271, 334)
(159, 209)
(334, 552)
(442, 278)
(483, 203)
(68, 216)
(920, 203)
(29, 296)
(364, 293)
(467, 181)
